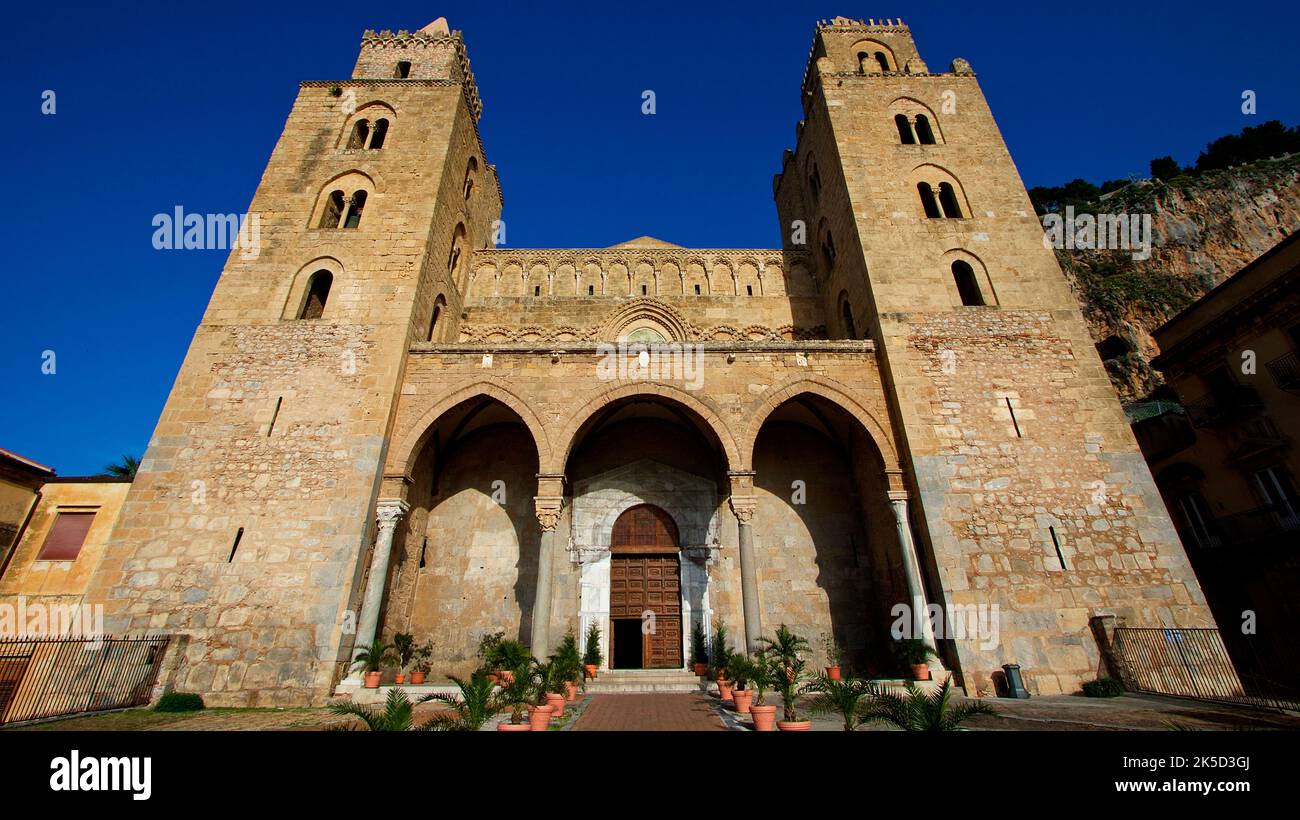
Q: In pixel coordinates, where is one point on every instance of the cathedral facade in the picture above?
(386, 423)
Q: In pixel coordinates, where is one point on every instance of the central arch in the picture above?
(645, 590)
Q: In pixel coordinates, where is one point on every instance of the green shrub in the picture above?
(1103, 688)
(179, 702)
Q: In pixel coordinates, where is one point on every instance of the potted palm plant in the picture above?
(834, 654)
(740, 668)
(404, 648)
(916, 711)
(570, 663)
(394, 716)
(372, 660)
(472, 707)
(420, 663)
(719, 657)
(552, 680)
(760, 675)
(517, 694)
(913, 654)
(699, 650)
(785, 660)
(849, 698)
(591, 656)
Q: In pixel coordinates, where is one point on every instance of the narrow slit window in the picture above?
(1056, 544)
(643, 290)
(275, 414)
(591, 290)
(239, 536)
(1015, 422)
(749, 290)
(697, 290)
(537, 291)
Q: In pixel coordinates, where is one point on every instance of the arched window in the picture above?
(355, 206)
(333, 210)
(905, 134)
(438, 305)
(923, 131)
(948, 200)
(471, 171)
(828, 250)
(927, 200)
(864, 62)
(846, 311)
(967, 285)
(882, 60)
(457, 249)
(380, 134)
(360, 133)
(403, 70)
(318, 293)
(814, 178)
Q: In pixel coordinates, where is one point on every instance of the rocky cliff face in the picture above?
(1204, 229)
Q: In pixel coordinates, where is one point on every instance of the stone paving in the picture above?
(649, 712)
(694, 712)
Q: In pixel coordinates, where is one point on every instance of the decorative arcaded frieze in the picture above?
(542, 337)
(862, 346)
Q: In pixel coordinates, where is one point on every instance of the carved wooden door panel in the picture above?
(645, 576)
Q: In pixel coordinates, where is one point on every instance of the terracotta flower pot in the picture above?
(920, 671)
(372, 680)
(539, 717)
(833, 672)
(570, 691)
(556, 702)
(507, 726)
(794, 725)
(417, 678)
(764, 718)
(505, 677)
(701, 669)
(724, 690)
(743, 699)
(399, 679)
(591, 670)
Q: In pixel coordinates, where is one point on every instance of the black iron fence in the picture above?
(53, 677)
(1194, 663)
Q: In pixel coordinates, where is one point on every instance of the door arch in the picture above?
(645, 591)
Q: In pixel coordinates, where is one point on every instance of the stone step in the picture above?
(643, 680)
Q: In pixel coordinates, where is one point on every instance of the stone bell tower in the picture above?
(1033, 500)
(249, 526)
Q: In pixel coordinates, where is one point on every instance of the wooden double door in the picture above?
(645, 591)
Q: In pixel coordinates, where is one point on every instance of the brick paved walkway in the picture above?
(648, 713)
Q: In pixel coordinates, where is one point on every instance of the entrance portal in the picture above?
(645, 591)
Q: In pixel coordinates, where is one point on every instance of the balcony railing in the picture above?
(1161, 428)
(1218, 410)
(1286, 371)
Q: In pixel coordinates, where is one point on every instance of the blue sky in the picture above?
(165, 104)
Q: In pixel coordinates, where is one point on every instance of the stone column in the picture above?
(912, 570)
(548, 503)
(743, 504)
(387, 513)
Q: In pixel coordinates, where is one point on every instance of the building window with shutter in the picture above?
(66, 536)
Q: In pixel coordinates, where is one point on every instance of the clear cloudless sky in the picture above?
(166, 104)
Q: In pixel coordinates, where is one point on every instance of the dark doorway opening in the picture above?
(628, 651)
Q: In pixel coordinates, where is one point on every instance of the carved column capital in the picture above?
(548, 511)
(388, 511)
(743, 507)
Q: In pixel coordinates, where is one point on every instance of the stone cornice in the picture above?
(574, 256)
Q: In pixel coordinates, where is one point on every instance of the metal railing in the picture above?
(1218, 409)
(1194, 663)
(53, 677)
(1250, 528)
(1285, 371)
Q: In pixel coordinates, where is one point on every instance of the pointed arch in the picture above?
(831, 391)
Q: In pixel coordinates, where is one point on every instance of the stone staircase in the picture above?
(643, 680)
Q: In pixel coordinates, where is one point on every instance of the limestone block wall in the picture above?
(249, 524)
